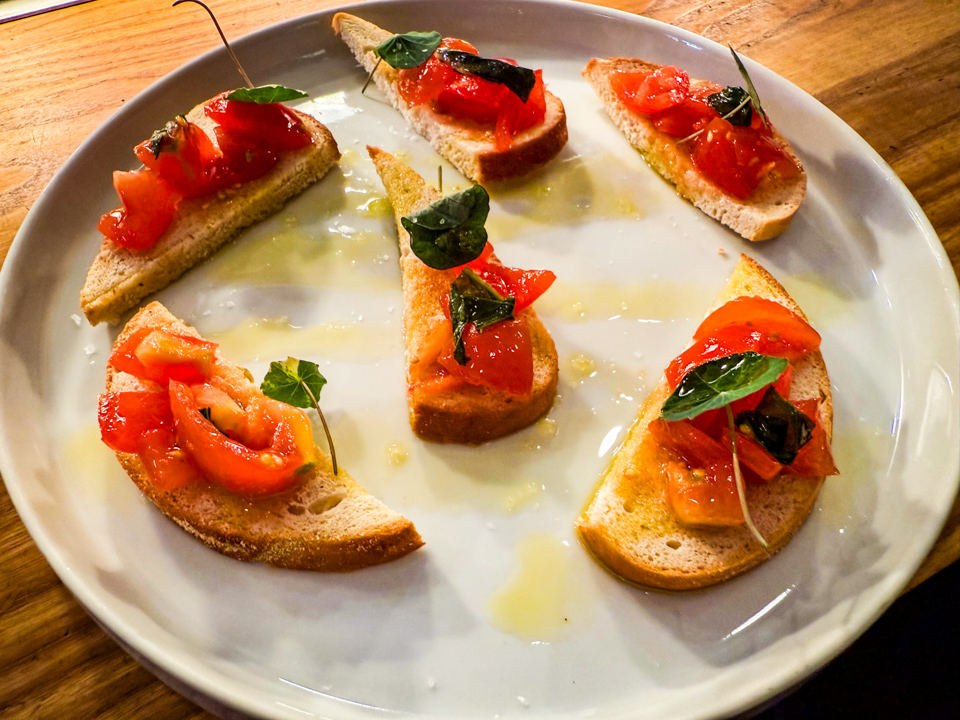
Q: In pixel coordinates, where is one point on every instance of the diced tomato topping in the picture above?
(754, 311)
(168, 464)
(754, 457)
(523, 285)
(683, 119)
(651, 92)
(147, 208)
(268, 125)
(737, 159)
(471, 98)
(815, 458)
(159, 356)
(125, 416)
(500, 357)
(249, 136)
(424, 83)
(182, 158)
(235, 466)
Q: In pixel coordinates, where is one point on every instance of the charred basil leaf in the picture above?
(409, 50)
(754, 98)
(777, 425)
(474, 301)
(719, 382)
(265, 94)
(518, 80)
(450, 231)
(167, 139)
(734, 102)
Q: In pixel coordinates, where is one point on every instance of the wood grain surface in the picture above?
(890, 69)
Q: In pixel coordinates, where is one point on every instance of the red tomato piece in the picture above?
(755, 457)
(240, 161)
(815, 458)
(651, 92)
(514, 116)
(705, 496)
(159, 356)
(148, 207)
(470, 98)
(125, 416)
(422, 84)
(523, 285)
(683, 119)
(234, 465)
(500, 357)
(184, 157)
(168, 465)
(268, 125)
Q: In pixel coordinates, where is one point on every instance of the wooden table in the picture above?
(890, 69)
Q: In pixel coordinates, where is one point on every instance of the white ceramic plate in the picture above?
(442, 633)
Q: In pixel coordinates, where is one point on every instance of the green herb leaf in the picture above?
(205, 411)
(450, 231)
(295, 382)
(719, 382)
(754, 98)
(777, 425)
(733, 104)
(298, 383)
(474, 301)
(518, 80)
(409, 50)
(738, 480)
(266, 94)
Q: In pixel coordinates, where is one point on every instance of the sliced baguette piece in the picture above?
(469, 414)
(764, 215)
(327, 523)
(627, 525)
(468, 147)
(119, 279)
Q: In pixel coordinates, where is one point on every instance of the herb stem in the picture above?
(323, 421)
(370, 76)
(440, 178)
(741, 490)
(222, 37)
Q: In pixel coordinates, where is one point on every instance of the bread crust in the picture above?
(119, 278)
(627, 525)
(469, 414)
(764, 215)
(469, 147)
(327, 522)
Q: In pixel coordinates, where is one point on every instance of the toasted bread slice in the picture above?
(327, 522)
(470, 413)
(764, 215)
(469, 147)
(628, 526)
(118, 279)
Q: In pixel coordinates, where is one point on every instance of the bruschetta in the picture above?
(467, 381)
(236, 469)
(481, 126)
(668, 512)
(227, 164)
(712, 142)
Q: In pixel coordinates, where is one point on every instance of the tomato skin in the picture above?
(124, 417)
(167, 464)
(269, 125)
(500, 357)
(815, 458)
(184, 158)
(232, 464)
(191, 358)
(747, 323)
(683, 119)
(147, 208)
(424, 83)
(523, 285)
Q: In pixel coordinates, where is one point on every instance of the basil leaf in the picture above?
(169, 137)
(450, 231)
(518, 80)
(409, 50)
(754, 98)
(777, 425)
(719, 382)
(733, 103)
(474, 301)
(266, 94)
(285, 382)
